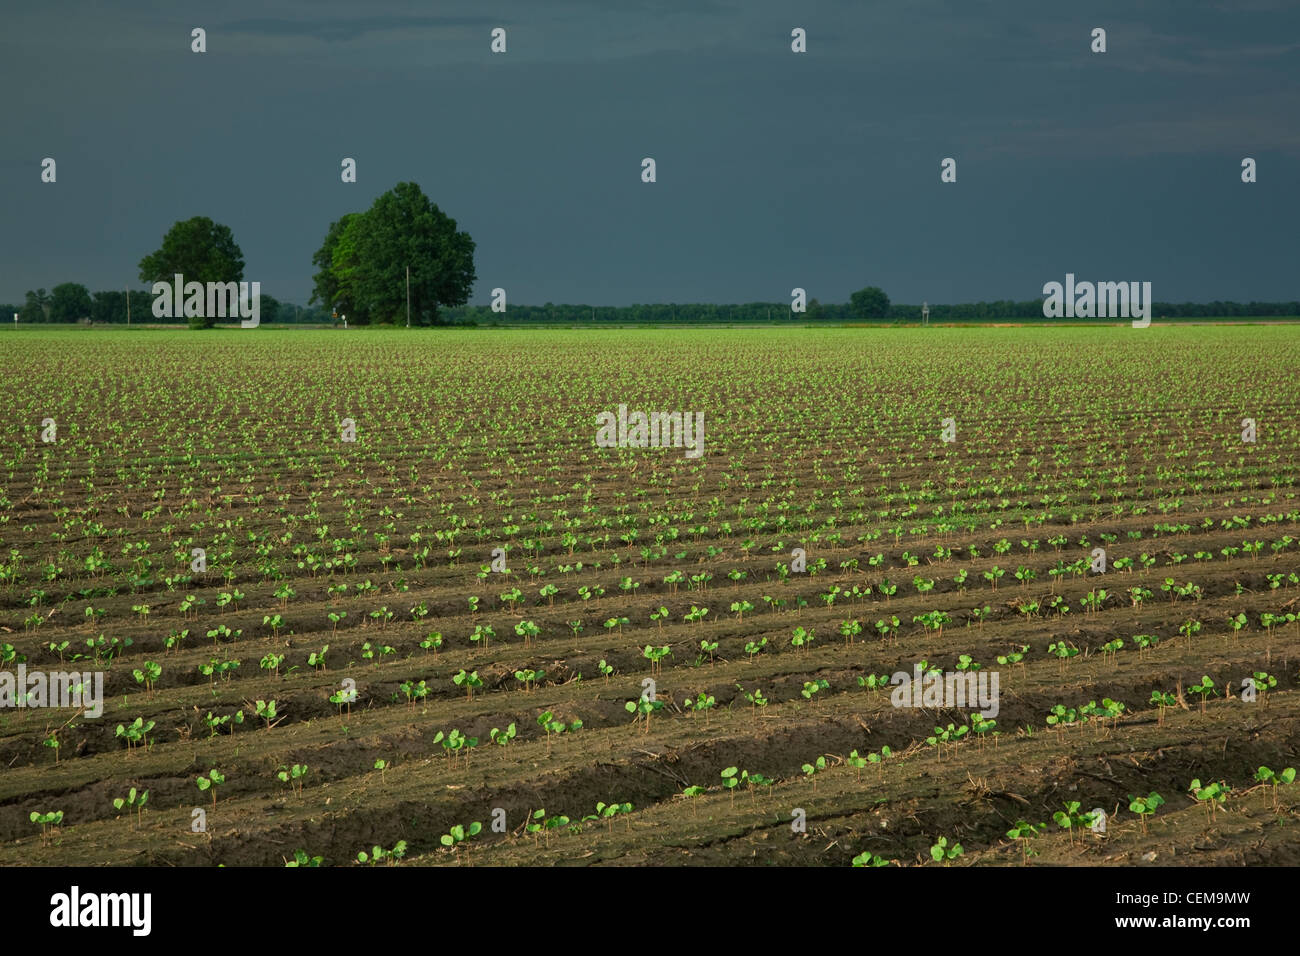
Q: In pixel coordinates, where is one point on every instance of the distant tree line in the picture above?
(71, 302)
(779, 312)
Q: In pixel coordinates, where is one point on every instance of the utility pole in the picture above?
(128, 307)
(408, 297)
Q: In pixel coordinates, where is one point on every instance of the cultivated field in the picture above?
(955, 554)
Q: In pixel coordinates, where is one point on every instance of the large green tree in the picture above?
(369, 253)
(199, 249)
(870, 303)
(325, 288)
(69, 302)
(36, 308)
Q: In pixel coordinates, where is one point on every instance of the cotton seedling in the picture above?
(274, 622)
(607, 812)
(1162, 700)
(316, 659)
(52, 741)
(134, 800)
(812, 769)
(643, 708)
(271, 662)
(984, 727)
(378, 854)
(370, 652)
(293, 776)
(431, 642)
(1013, 658)
(382, 766)
(216, 723)
(215, 668)
(812, 687)
(1061, 716)
(502, 737)
(534, 823)
(46, 821)
(802, 638)
(470, 681)
(454, 742)
(266, 710)
(731, 778)
(103, 649)
(948, 736)
(210, 782)
(1071, 820)
(414, 691)
(1264, 682)
(739, 608)
(1205, 688)
(135, 732)
(1093, 601)
(1145, 642)
(147, 674)
(853, 760)
(702, 702)
(941, 852)
(1063, 651)
(554, 725)
(511, 598)
(755, 700)
(1266, 776)
(655, 655)
(1212, 794)
(343, 698)
(1145, 807)
(605, 669)
(529, 631)
(870, 859)
(692, 793)
(695, 615)
(1022, 833)
(529, 678)
(874, 682)
(1111, 650)
(981, 614)
(482, 633)
(1098, 714)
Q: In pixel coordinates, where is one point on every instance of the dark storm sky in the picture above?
(775, 170)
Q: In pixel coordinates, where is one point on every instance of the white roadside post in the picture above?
(925, 313)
